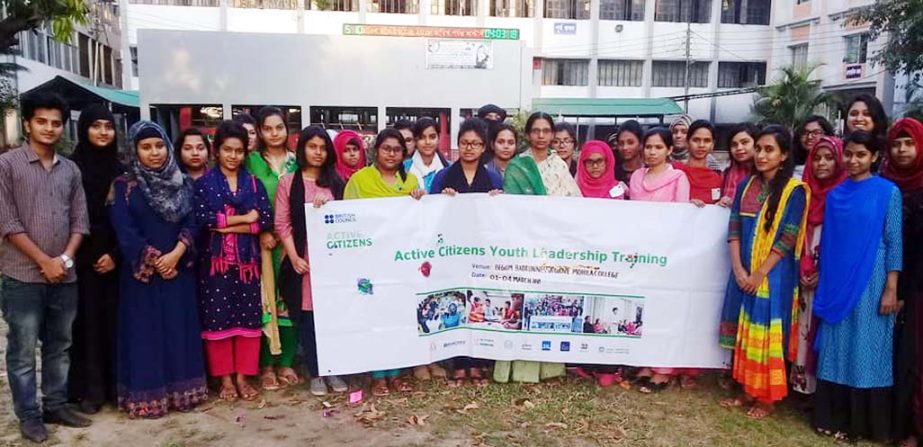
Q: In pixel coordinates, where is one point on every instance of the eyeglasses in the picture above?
(592, 163)
(540, 131)
(564, 141)
(814, 133)
(470, 145)
(391, 149)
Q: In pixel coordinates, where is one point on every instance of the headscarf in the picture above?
(910, 179)
(681, 154)
(491, 108)
(596, 187)
(167, 190)
(339, 144)
(98, 166)
(819, 190)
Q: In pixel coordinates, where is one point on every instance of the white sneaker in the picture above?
(337, 384)
(318, 387)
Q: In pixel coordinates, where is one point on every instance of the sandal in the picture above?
(477, 378)
(380, 388)
(648, 387)
(760, 411)
(288, 376)
(437, 371)
(269, 381)
(844, 437)
(246, 392)
(421, 373)
(688, 383)
(458, 379)
(228, 393)
(732, 402)
(400, 386)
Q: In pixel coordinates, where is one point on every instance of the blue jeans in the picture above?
(33, 312)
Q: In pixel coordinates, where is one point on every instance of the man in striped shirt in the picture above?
(43, 217)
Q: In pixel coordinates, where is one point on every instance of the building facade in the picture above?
(703, 53)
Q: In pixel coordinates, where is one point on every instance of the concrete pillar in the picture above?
(648, 70)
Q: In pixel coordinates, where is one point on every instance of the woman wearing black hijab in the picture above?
(91, 381)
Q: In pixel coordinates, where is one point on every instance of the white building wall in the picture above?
(593, 40)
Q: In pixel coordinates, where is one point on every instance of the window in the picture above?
(745, 12)
(66, 59)
(106, 65)
(567, 9)
(621, 10)
(333, 5)
(176, 2)
(799, 56)
(394, 6)
(511, 8)
(84, 44)
(565, 72)
(857, 47)
(266, 4)
(741, 74)
(360, 119)
(134, 60)
(695, 11)
(673, 74)
(620, 73)
(454, 7)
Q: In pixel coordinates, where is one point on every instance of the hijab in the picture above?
(167, 190)
(819, 190)
(596, 187)
(340, 141)
(681, 154)
(910, 179)
(99, 166)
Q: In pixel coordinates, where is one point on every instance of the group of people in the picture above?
(143, 279)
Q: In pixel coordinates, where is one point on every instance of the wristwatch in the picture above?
(68, 262)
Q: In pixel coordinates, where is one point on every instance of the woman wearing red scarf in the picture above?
(704, 183)
(596, 159)
(904, 166)
(823, 170)
(350, 153)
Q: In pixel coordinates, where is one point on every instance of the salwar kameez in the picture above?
(759, 328)
(159, 354)
(855, 375)
(230, 296)
(279, 343)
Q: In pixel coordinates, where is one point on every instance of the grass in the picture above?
(579, 413)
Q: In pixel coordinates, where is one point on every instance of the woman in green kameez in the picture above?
(280, 340)
(538, 172)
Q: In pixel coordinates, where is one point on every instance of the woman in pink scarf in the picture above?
(350, 153)
(658, 181)
(596, 160)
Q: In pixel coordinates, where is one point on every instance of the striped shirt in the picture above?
(47, 205)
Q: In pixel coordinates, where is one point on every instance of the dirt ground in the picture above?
(571, 413)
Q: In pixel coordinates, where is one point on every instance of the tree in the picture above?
(901, 21)
(791, 98)
(24, 15)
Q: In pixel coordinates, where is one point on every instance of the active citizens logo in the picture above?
(331, 219)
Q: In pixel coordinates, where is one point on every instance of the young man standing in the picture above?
(43, 217)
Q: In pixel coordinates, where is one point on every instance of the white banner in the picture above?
(455, 53)
(398, 282)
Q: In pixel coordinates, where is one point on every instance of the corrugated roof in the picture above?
(606, 107)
